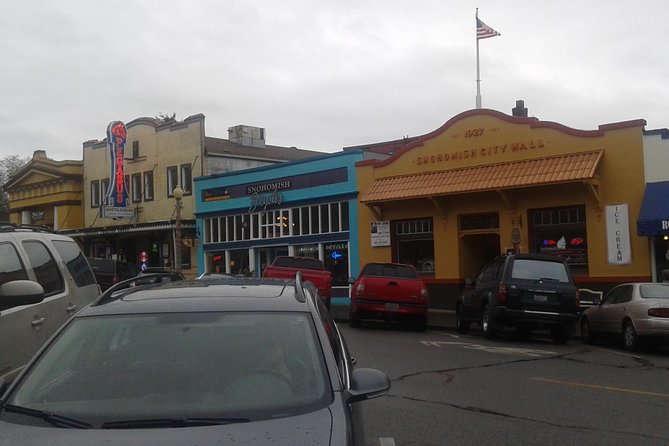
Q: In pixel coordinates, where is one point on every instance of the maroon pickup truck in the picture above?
(313, 270)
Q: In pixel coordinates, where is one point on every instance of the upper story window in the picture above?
(136, 187)
(172, 180)
(186, 179)
(135, 150)
(104, 185)
(95, 193)
(148, 186)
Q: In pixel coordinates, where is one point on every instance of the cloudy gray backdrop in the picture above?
(321, 74)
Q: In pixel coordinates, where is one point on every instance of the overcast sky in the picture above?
(322, 74)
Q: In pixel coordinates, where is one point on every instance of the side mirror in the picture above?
(20, 292)
(366, 384)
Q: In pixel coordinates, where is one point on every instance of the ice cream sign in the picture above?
(115, 203)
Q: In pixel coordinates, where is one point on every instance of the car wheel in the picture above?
(630, 337)
(354, 319)
(460, 323)
(559, 335)
(586, 333)
(486, 317)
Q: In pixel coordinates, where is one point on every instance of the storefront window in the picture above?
(307, 251)
(561, 232)
(414, 244)
(239, 262)
(336, 261)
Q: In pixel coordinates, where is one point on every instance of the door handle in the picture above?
(37, 322)
(71, 308)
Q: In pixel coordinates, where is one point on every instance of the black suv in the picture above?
(525, 291)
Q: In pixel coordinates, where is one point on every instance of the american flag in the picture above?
(483, 31)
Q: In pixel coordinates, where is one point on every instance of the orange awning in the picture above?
(574, 167)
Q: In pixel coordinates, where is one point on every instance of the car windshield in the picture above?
(654, 291)
(122, 368)
(539, 270)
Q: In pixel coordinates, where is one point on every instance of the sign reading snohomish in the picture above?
(268, 187)
(115, 203)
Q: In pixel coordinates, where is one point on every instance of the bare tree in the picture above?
(8, 166)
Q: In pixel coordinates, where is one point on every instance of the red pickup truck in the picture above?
(313, 270)
(389, 291)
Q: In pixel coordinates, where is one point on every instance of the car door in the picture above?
(20, 334)
(608, 321)
(618, 310)
(598, 315)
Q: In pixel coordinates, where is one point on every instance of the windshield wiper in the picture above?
(171, 422)
(53, 418)
(548, 279)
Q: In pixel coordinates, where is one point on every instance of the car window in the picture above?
(624, 294)
(654, 291)
(148, 366)
(533, 269)
(45, 267)
(388, 270)
(611, 296)
(11, 267)
(75, 261)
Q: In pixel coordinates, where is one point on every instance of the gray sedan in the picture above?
(630, 310)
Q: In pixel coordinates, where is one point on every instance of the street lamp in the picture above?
(178, 194)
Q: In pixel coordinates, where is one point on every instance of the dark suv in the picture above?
(109, 272)
(525, 291)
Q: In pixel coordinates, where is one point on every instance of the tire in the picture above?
(559, 335)
(486, 317)
(630, 337)
(354, 319)
(460, 323)
(586, 333)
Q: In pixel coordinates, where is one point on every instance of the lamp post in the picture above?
(178, 194)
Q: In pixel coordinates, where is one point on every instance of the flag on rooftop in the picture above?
(483, 31)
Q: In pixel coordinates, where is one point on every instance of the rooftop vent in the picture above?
(247, 135)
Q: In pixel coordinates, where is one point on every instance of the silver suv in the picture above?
(44, 280)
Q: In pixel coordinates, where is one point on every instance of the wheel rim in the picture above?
(630, 335)
(484, 322)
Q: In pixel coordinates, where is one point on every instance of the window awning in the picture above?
(653, 218)
(574, 167)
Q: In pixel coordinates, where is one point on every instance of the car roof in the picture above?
(235, 294)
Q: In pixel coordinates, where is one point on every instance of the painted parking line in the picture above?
(517, 351)
(600, 387)
(387, 441)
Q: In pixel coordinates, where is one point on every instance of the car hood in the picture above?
(313, 428)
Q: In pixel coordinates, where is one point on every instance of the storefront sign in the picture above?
(260, 202)
(268, 187)
(380, 231)
(480, 152)
(618, 234)
(116, 196)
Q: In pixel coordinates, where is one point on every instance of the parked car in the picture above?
(44, 280)
(142, 279)
(630, 311)
(390, 292)
(525, 291)
(313, 270)
(169, 364)
(110, 271)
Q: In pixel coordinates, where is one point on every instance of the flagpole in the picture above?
(478, 69)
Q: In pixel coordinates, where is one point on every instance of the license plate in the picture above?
(392, 307)
(540, 298)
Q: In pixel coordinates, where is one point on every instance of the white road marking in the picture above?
(490, 349)
(387, 441)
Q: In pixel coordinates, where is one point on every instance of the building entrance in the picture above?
(475, 251)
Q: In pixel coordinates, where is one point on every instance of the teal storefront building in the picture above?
(303, 208)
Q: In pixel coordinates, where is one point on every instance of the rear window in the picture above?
(539, 269)
(302, 263)
(381, 270)
(654, 291)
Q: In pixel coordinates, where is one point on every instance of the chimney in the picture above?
(247, 135)
(519, 110)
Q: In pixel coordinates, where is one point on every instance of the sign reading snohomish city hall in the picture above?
(115, 203)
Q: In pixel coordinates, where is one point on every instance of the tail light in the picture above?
(658, 312)
(360, 289)
(501, 293)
